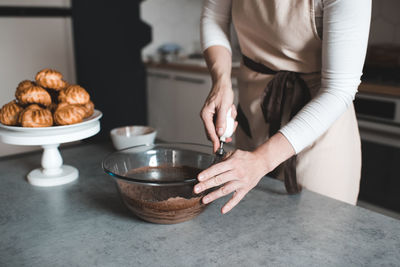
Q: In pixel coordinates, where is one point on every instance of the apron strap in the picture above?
(284, 96)
(243, 122)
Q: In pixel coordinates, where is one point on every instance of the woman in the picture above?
(302, 63)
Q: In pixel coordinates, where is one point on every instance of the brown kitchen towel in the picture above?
(284, 96)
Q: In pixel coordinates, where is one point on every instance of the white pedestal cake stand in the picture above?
(53, 172)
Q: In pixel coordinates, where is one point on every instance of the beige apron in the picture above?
(281, 35)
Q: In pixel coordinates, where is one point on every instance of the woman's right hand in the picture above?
(220, 99)
(215, 109)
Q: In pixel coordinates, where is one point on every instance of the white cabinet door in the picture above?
(191, 91)
(161, 104)
(174, 103)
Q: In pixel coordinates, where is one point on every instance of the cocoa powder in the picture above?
(162, 204)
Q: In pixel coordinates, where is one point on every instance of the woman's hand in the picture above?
(220, 99)
(215, 109)
(239, 173)
(242, 170)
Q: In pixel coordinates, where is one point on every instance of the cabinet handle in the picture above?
(189, 80)
(159, 75)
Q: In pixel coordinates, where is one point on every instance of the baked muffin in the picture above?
(22, 86)
(67, 114)
(35, 116)
(74, 94)
(10, 112)
(50, 78)
(34, 95)
(89, 109)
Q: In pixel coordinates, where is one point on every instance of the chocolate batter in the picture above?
(162, 204)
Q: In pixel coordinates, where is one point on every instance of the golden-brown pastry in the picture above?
(89, 109)
(22, 86)
(34, 95)
(35, 116)
(50, 78)
(67, 114)
(74, 94)
(33, 106)
(10, 112)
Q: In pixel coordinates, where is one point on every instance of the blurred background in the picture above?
(141, 62)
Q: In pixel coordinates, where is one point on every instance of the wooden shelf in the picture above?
(379, 89)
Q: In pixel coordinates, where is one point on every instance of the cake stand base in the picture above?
(67, 175)
(52, 171)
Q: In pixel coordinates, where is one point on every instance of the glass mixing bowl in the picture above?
(156, 181)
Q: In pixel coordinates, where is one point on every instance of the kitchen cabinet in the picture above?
(378, 114)
(380, 183)
(174, 101)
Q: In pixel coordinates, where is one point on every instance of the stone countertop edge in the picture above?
(85, 223)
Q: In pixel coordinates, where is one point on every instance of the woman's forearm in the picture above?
(219, 63)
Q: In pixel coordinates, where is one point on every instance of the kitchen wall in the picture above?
(385, 25)
(178, 21)
(29, 44)
(172, 21)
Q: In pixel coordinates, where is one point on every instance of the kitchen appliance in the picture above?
(379, 124)
(379, 118)
(156, 181)
(229, 128)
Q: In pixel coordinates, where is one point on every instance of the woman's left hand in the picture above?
(242, 170)
(238, 173)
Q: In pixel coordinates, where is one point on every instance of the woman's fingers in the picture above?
(236, 198)
(214, 170)
(207, 117)
(240, 171)
(233, 111)
(222, 191)
(221, 119)
(214, 181)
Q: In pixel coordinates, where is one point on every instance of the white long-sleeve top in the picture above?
(345, 36)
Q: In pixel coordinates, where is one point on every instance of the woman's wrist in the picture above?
(222, 84)
(221, 77)
(274, 151)
(219, 63)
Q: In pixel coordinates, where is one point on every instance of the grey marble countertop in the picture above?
(86, 224)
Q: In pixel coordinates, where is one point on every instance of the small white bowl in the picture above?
(128, 136)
